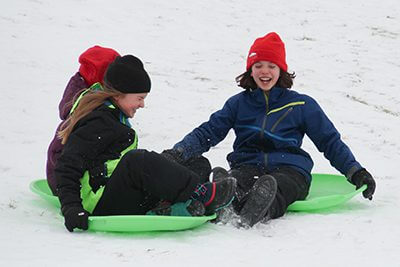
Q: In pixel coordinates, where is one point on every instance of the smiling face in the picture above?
(265, 74)
(129, 103)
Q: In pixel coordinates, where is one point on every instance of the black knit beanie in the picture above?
(127, 75)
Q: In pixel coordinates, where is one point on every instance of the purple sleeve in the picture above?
(53, 153)
(75, 84)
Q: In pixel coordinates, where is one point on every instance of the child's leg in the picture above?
(271, 194)
(292, 186)
(201, 166)
(140, 180)
(246, 176)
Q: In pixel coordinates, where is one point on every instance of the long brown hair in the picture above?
(246, 81)
(91, 100)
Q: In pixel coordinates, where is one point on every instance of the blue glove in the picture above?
(363, 177)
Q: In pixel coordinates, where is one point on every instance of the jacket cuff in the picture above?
(352, 171)
(183, 152)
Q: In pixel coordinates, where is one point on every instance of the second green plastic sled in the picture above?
(327, 190)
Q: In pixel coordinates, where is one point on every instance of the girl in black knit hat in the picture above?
(101, 171)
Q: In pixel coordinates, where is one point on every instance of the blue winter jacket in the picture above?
(269, 132)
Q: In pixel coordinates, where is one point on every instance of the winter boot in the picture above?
(215, 195)
(189, 208)
(218, 173)
(259, 200)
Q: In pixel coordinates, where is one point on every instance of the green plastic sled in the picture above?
(327, 190)
(127, 223)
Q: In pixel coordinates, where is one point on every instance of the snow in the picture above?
(345, 54)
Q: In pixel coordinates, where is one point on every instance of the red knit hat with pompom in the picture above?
(268, 48)
(94, 63)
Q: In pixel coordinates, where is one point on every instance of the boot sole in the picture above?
(259, 200)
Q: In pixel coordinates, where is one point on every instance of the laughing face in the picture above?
(265, 74)
(129, 103)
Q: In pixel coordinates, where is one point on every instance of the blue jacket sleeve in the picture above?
(209, 133)
(327, 139)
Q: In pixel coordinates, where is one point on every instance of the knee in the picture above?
(245, 176)
(201, 166)
(134, 157)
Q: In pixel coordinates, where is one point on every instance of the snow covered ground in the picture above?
(345, 54)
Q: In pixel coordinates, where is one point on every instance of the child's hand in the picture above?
(363, 177)
(75, 217)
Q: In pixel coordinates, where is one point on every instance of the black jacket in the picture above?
(96, 138)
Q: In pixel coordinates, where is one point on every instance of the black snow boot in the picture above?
(218, 173)
(215, 195)
(259, 200)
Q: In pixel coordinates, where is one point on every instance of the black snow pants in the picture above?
(141, 180)
(292, 186)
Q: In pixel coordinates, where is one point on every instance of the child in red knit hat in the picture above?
(270, 121)
(93, 64)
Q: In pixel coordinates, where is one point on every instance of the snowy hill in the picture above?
(345, 54)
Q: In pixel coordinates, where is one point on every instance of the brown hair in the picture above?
(246, 81)
(91, 100)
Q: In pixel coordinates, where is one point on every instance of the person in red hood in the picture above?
(101, 171)
(93, 64)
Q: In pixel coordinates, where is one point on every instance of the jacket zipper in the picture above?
(264, 125)
(280, 119)
(273, 127)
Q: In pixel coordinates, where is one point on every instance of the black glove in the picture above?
(75, 217)
(174, 155)
(363, 177)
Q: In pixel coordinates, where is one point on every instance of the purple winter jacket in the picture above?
(75, 84)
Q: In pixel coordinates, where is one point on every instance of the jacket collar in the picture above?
(274, 94)
(116, 110)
